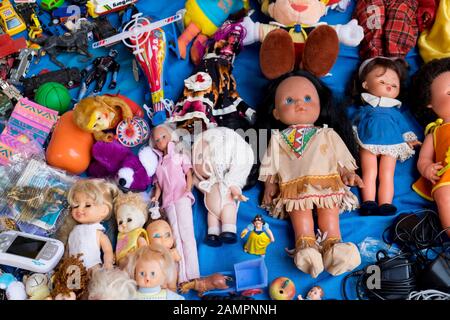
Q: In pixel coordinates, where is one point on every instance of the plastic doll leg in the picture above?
(212, 204)
(442, 198)
(386, 179)
(183, 210)
(198, 48)
(186, 37)
(369, 167)
(401, 29)
(229, 217)
(371, 16)
(307, 257)
(328, 221)
(100, 82)
(173, 220)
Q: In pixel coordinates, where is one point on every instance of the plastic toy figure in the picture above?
(308, 166)
(260, 236)
(382, 131)
(316, 293)
(432, 87)
(98, 71)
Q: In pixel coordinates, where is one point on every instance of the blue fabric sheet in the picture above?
(251, 86)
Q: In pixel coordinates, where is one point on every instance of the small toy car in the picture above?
(28, 12)
(70, 78)
(101, 7)
(9, 19)
(21, 65)
(51, 4)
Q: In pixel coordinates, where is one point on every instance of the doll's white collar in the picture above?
(383, 102)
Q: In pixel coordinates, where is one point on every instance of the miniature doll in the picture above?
(151, 267)
(307, 165)
(160, 232)
(315, 293)
(131, 216)
(174, 183)
(391, 27)
(91, 202)
(113, 284)
(222, 162)
(210, 94)
(260, 236)
(433, 93)
(382, 131)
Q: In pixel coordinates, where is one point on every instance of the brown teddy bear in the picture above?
(296, 38)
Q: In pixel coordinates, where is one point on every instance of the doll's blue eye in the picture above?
(289, 100)
(157, 235)
(307, 98)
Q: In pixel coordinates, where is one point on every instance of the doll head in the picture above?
(315, 293)
(299, 98)
(151, 266)
(432, 89)
(290, 12)
(382, 77)
(258, 221)
(160, 233)
(160, 137)
(113, 284)
(131, 211)
(228, 40)
(91, 200)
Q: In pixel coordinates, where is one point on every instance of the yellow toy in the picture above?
(260, 236)
(10, 21)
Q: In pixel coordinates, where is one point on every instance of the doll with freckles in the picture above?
(91, 202)
(433, 96)
(382, 131)
(173, 186)
(308, 166)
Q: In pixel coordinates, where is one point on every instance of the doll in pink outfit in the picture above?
(173, 184)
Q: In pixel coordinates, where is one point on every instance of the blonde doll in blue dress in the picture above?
(382, 132)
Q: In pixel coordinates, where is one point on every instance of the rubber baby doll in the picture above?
(131, 216)
(173, 185)
(159, 232)
(151, 267)
(433, 94)
(382, 131)
(113, 284)
(307, 166)
(91, 202)
(222, 163)
(315, 293)
(260, 236)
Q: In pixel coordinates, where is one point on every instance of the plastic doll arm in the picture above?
(269, 232)
(426, 165)
(142, 242)
(189, 180)
(175, 255)
(157, 193)
(350, 34)
(108, 254)
(270, 191)
(236, 194)
(349, 177)
(244, 233)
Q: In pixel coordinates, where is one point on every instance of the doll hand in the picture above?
(112, 85)
(244, 233)
(252, 29)
(108, 265)
(270, 190)
(414, 143)
(236, 194)
(431, 172)
(350, 34)
(352, 179)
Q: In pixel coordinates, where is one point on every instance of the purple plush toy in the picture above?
(131, 172)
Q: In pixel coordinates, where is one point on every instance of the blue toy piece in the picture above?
(6, 279)
(63, 13)
(249, 277)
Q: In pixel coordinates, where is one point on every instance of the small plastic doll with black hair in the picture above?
(382, 131)
(308, 166)
(432, 86)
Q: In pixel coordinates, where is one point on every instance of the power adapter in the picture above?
(436, 275)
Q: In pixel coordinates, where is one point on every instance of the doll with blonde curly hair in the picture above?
(113, 284)
(91, 202)
(131, 216)
(151, 267)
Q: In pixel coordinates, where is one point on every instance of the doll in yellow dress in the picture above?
(433, 89)
(259, 238)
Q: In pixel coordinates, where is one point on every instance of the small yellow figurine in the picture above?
(260, 236)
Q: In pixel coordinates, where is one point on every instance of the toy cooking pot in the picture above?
(70, 147)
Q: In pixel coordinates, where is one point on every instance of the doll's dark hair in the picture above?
(422, 82)
(259, 217)
(400, 66)
(331, 113)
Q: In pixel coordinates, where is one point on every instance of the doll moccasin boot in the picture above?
(307, 256)
(339, 257)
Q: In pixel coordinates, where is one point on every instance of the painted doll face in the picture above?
(315, 294)
(440, 96)
(100, 121)
(296, 102)
(290, 12)
(148, 273)
(382, 82)
(85, 210)
(161, 138)
(129, 218)
(159, 232)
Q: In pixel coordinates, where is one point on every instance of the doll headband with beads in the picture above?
(367, 61)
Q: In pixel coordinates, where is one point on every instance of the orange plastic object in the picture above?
(70, 147)
(135, 108)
